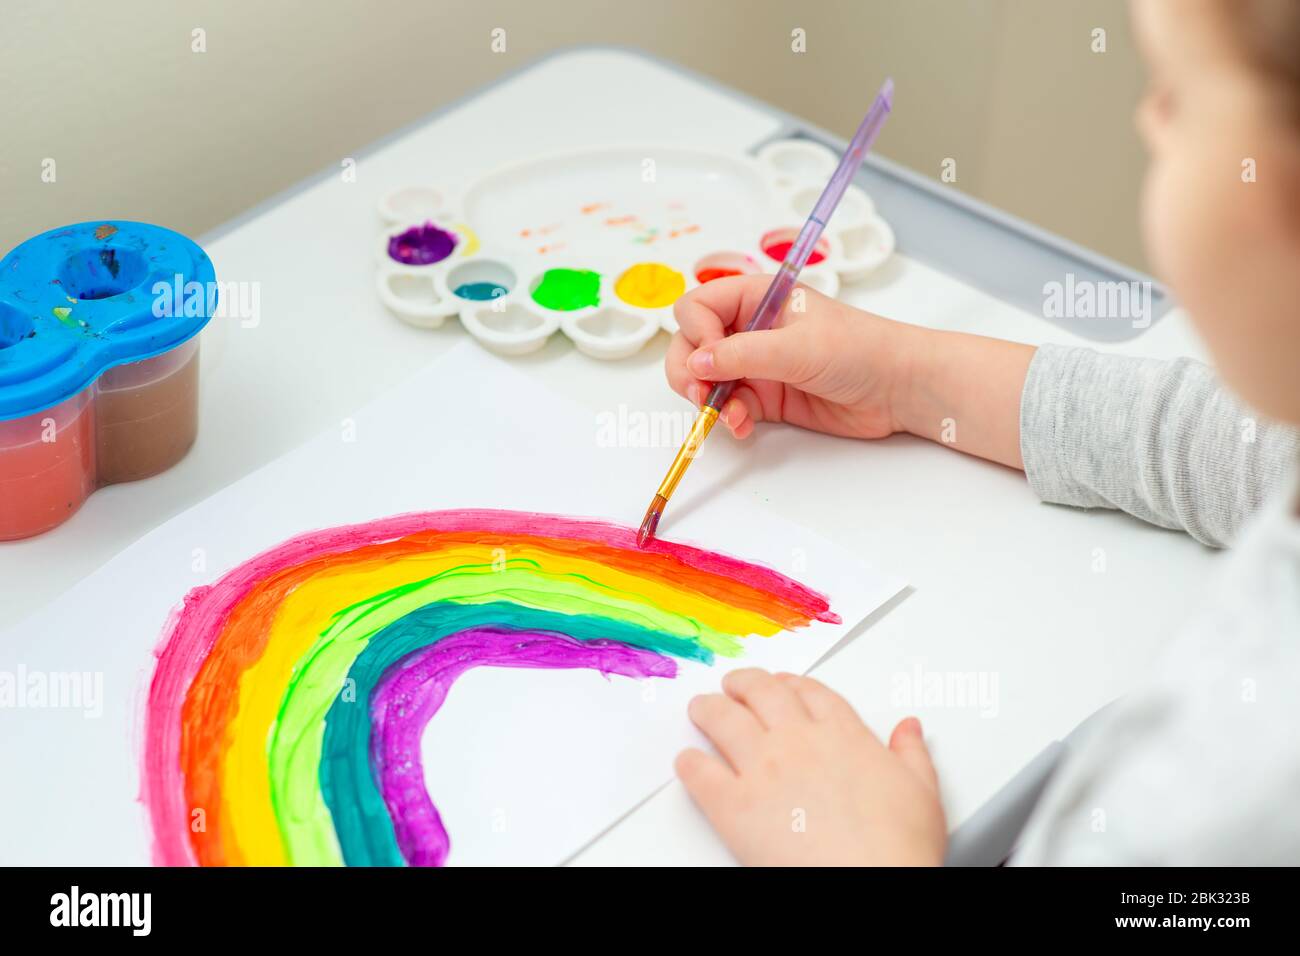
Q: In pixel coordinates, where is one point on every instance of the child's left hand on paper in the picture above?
(802, 781)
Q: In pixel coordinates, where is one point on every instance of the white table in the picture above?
(1005, 586)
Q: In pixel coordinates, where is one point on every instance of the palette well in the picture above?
(600, 244)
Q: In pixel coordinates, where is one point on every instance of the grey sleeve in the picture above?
(1162, 440)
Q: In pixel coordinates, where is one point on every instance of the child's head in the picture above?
(1224, 109)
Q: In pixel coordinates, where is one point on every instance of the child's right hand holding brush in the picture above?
(832, 368)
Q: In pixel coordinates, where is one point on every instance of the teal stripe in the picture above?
(348, 783)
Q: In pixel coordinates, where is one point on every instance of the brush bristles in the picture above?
(650, 523)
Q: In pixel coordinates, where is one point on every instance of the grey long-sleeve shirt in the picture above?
(1201, 765)
(1160, 440)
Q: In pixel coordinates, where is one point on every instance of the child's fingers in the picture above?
(739, 413)
(908, 743)
(781, 355)
(734, 414)
(728, 725)
(706, 778)
(706, 314)
(820, 701)
(733, 300)
(679, 377)
(750, 410)
(773, 701)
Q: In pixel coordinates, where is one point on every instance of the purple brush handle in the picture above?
(774, 299)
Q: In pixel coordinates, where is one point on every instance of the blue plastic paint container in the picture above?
(98, 363)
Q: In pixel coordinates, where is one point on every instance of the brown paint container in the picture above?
(135, 421)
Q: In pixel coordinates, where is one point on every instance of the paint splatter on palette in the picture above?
(600, 244)
(290, 697)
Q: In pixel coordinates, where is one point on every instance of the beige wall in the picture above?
(141, 127)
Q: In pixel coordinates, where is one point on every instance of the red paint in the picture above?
(779, 250)
(47, 467)
(708, 275)
(134, 421)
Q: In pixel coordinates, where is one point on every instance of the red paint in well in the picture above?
(779, 250)
(708, 275)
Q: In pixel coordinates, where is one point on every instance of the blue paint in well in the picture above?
(480, 291)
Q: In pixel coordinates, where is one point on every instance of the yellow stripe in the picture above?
(248, 821)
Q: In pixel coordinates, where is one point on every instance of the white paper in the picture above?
(525, 766)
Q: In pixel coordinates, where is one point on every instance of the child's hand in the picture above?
(829, 367)
(805, 782)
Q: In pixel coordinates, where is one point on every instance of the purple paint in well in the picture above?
(422, 245)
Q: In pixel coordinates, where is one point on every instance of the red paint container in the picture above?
(47, 467)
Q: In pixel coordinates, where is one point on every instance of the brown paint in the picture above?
(135, 421)
(147, 415)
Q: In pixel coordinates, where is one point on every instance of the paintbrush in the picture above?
(774, 299)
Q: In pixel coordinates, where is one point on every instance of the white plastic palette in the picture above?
(599, 243)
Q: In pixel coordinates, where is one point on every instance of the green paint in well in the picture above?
(565, 290)
(64, 315)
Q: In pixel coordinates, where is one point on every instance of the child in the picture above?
(1202, 766)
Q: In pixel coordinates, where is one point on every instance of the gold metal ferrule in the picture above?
(694, 439)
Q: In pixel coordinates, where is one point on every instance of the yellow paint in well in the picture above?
(650, 285)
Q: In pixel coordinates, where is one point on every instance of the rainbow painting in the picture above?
(284, 716)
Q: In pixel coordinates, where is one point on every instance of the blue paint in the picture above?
(77, 300)
(480, 291)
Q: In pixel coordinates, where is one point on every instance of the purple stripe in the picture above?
(413, 690)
